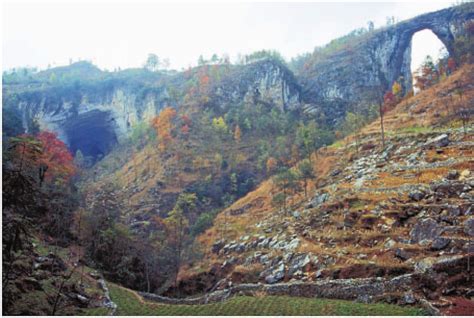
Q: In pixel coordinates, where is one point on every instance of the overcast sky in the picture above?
(121, 35)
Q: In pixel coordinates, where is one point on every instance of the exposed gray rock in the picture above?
(425, 229)
(277, 273)
(454, 210)
(299, 264)
(408, 298)
(84, 300)
(318, 200)
(417, 195)
(292, 245)
(108, 303)
(389, 243)
(448, 188)
(452, 175)
(229, 262)
(439, 141)
(440, 243)
(469, 226)
(217, 246)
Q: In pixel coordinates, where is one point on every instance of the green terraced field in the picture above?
(129, 304)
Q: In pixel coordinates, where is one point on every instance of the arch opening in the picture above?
(429, 59)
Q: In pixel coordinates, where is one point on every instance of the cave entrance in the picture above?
(425, 44)
(93, 133)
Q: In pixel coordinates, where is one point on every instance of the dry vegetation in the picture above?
(423, 114)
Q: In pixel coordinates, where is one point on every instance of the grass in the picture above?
(411, 130)
(338, 144)
(129, 304)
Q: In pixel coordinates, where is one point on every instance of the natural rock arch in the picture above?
(440, 23)
(360, 74)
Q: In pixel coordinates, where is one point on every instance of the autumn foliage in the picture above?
(56, 157)
(164, 126)
(47, 154)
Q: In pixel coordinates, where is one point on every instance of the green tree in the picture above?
(306, 172)
(177, 224)
(201, 60)
(353, 123)
(278, 200)
(308, 138)
(140, 133)
(286, 181)
(214, 59)
(152, 62)
(220, 125)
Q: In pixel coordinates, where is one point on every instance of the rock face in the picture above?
(426, 229)
(94, 116)
(267, 81)
(372, 64)
(91, 119)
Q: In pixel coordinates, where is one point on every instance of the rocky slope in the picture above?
(372, 212)
(47, 280)
(362, 70)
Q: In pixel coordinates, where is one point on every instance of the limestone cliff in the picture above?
(363, 70)
(267, 81)
(95, 115)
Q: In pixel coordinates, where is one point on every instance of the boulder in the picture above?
(240, 248)
(82, 299)
(417, 195)
(217, 246)
(440, 243)
(276, 274)
(454, 210)
(452, 175)
(389, 243)
(229, 262)
(299, 264)
(264, 259)
(408, 298)
(469, 226)
(292, 245)
(425, 229)
(447, 188)
(439, 141)
(318, 200)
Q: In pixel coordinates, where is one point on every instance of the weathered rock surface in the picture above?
(376, 61)
(93, 117)
(426, 229)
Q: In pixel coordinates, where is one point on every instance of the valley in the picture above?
(324, 185)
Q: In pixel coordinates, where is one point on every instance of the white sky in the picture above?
(122, 34)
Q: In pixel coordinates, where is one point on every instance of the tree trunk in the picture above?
(381, 126)
(305, 188)
(147, 275)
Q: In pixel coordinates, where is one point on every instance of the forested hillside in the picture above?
(326, 176)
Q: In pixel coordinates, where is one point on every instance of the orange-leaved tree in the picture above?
(389, 101)
(237, 134)
(164, 126)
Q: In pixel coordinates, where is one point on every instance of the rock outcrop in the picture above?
(94, 114)
(367, 68)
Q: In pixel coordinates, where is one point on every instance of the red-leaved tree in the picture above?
(56, 162)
